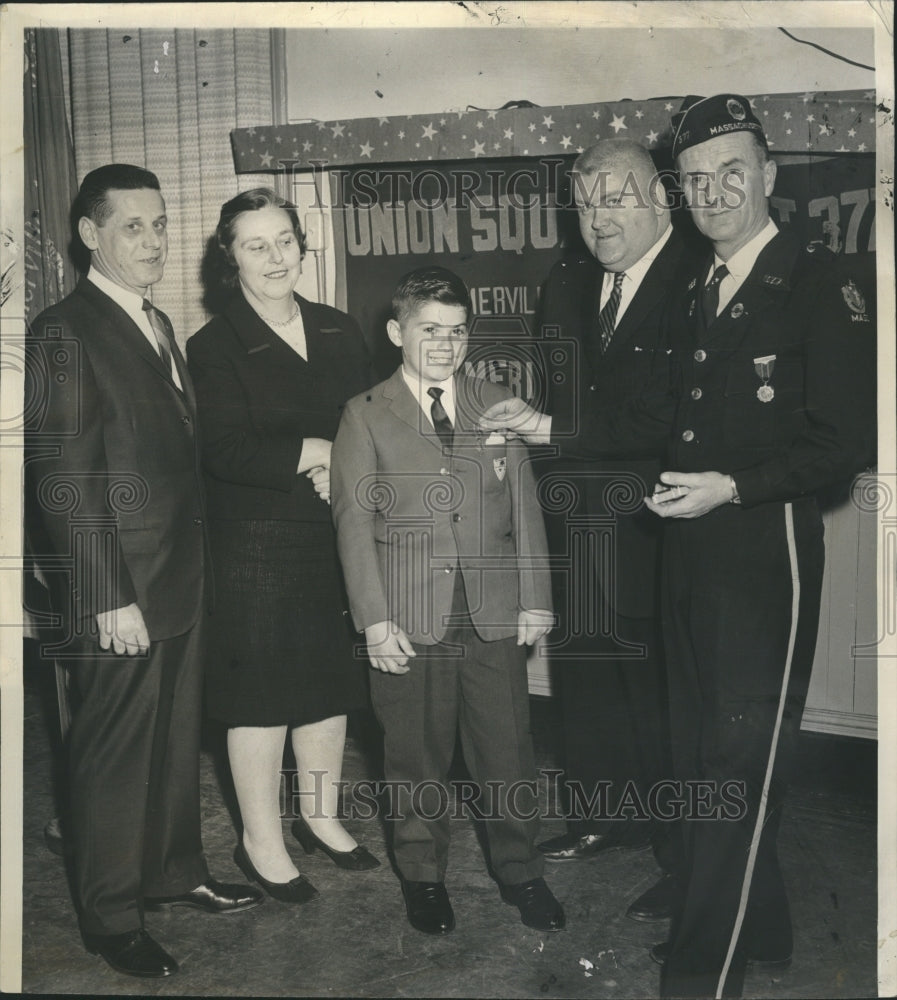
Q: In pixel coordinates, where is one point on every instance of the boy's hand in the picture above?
(388, 647)
(513, 416)
(532, 625)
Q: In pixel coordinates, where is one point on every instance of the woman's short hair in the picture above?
(219, 269)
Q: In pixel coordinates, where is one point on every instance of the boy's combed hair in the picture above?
(428, 284)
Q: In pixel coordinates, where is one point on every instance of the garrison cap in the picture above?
(703, 118)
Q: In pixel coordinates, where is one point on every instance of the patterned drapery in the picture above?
(167, 100)
(50, 184)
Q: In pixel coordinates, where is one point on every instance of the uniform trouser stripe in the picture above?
(770, 763)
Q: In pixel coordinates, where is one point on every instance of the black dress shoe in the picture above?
(211, 896)
(661, 952)
(134, 953)
(359, 859)
(572, 847)
(428, 907)
(538, 907)
(297, 890)
(659, 902)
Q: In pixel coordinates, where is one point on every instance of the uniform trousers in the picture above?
(741, 610)
(478, 689)
(134, 780)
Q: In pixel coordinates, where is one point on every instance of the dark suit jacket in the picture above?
(258, 399)
(586, 379)
(408, 513)
(113, 463)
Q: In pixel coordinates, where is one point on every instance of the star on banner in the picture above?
(668, 106)
(618, 123)
(566, 141)
(266, 159)
(639, 113)
(509, 134)
(652, 137)
(382, 121)
(337, 129)
(491, 114)
(548, 121)
(479, 149)
(429, 132)
(366, 150)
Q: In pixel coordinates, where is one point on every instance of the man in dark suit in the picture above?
(607, 651)
(114, 470)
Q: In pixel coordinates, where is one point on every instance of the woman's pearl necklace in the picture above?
(284, 322)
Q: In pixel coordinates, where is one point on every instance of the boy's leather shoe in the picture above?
(428, 907)
(537, 905)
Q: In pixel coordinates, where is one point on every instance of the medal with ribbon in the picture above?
(764, 368)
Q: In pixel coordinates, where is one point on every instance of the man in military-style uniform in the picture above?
(767, 406)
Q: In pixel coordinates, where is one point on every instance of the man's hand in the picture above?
(532, 625)
(124, 630)
(320, 477)
(513, 416)
(690, 494)
(388, 647)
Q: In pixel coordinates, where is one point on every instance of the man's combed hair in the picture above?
(92, 201)
(428, 284)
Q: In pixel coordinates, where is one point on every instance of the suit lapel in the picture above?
(124, 328)
(654, 287)
(403, 405)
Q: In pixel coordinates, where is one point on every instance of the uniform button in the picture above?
(185, 420)
(448, 569)
(593, 388)
(197, 521)
(456, 517)
(688, 435)
(696, 393)
(443, 471)
(700, 355)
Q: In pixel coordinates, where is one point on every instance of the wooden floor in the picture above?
(353, 941)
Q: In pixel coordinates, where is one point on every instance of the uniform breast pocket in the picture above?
(751, 406)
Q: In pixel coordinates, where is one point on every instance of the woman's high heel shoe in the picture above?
(357, 860)
(297, 890)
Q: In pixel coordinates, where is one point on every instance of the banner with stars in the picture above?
(836, 122)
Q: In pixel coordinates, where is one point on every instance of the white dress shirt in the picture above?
(740, 264)
(633, 276)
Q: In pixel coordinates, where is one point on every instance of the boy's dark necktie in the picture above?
(607, 318)
(710, 303)
(440, 418)
(159, 323)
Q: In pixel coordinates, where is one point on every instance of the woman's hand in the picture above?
(320, 478)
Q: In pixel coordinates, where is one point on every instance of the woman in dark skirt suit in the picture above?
(272, 372)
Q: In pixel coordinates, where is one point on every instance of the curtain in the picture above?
(50, 184)
(167, 100)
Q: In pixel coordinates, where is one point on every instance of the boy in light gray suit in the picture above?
(443, 549)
